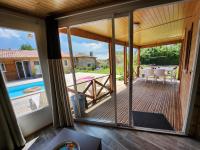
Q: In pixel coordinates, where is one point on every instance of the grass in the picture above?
(100, 71)
(119, 71)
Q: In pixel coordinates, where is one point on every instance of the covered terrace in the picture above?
(154, 26)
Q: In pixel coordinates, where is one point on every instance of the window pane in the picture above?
(21, 71)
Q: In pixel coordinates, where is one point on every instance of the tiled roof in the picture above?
(26, 54)
(18, 53)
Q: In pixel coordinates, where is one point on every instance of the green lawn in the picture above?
(100, 71)
(119, 70)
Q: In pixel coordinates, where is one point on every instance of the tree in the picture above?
(26, 47)
(161, 55)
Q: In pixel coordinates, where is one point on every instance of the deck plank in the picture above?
(147, 97)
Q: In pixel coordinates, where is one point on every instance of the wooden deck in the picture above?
(147, 97)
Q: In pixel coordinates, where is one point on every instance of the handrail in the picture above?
(95, 95)
(89, 80)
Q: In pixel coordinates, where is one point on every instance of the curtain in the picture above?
(10, 134)
(62, 116)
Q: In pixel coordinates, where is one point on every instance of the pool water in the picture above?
(18, 91)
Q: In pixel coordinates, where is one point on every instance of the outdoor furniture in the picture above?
(173, 73)
(160, 73)
(149, 73)
(142, 73)
(157, 72)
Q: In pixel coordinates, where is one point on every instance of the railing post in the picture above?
(94, 91)
(138, 63)
(110, 64)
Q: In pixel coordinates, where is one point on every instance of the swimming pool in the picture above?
(18, 91)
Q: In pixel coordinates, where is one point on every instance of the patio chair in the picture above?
(142, 73)
(160, 73)
(173, 74)
(149, 73)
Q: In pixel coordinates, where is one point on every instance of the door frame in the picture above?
(35, 120)
(18, 69)
(193, 85)
(29, 68)
(81, 18)
(24, 71)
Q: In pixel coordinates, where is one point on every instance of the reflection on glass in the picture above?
(21, 71)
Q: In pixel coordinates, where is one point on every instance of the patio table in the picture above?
(167, 69)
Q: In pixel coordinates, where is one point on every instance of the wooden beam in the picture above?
(114, 95)
(85, 34)
(125, 65)
(162, 43)
(93, 36)
(138, 63)
(130, 26)
(180, 61)
(53, 43)
(90, 35)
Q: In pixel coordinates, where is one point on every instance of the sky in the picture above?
(13, 39)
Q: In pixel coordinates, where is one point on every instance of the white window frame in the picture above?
(33, 121)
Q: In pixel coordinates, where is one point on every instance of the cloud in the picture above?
(8, 33)
(93, 46)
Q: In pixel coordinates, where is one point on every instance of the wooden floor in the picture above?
(118, 139)
(147, 97)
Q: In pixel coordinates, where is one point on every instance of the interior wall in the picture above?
(186, 75)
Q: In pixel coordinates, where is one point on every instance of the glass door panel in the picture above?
(121, 55)
(91, 46)
(25, 88)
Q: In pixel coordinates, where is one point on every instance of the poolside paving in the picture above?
(23, 105)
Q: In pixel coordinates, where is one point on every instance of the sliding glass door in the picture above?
(88, 70)
(121, 56)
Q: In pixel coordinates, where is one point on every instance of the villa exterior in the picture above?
(20, 64)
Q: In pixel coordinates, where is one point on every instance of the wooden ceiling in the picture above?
(43, 8)
(158, 24)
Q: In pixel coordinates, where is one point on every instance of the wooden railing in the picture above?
(93, 89)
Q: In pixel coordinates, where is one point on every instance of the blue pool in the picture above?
(17, 91)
